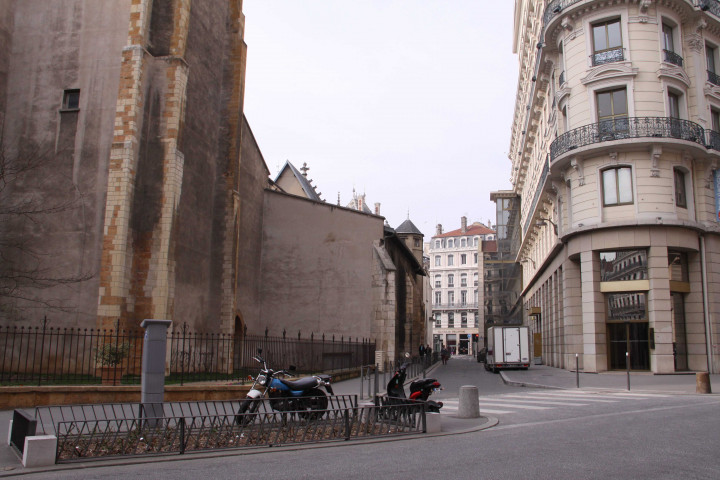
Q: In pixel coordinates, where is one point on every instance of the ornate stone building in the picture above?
(614, 154)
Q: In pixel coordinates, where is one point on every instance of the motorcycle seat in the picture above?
(301, 384)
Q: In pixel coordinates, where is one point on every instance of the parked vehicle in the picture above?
(303, 395)
(420, 389)
(508, 347)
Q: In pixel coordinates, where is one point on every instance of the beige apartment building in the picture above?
(614, 152)
(454, 276)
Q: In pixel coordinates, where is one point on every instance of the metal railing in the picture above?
(608, 56)
(630, 127)
(713, 78)
(46, 355)
(674, 58)
(122, 430)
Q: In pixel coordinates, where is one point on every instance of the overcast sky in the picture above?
(407, 101)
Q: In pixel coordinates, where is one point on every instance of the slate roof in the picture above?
(408, 227)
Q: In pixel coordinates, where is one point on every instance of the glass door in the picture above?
(631, 338)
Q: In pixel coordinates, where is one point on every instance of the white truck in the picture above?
(507, 347)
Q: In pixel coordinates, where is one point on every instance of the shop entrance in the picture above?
(628, 337)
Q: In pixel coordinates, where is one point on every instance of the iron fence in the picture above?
(46, 355)
(99, 431)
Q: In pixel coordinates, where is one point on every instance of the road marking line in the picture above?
(514, 405)
(544, 402)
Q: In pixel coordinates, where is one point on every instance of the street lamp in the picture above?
(541, 222)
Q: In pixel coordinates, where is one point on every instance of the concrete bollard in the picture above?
(469, 402)
(39, 451)
(702, 383)
(432, 422)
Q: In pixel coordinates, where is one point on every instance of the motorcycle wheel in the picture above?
(314, 405)
(247, 406)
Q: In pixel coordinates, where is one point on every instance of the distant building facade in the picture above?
(455, 279)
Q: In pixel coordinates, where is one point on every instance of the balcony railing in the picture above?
(674, 58)
(712, 6)
(455, 305)
(622, 128)
(608, 56)
(713, 139)
(713, 78)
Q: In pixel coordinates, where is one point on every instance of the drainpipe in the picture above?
(706, 308)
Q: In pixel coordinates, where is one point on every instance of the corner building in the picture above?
(614, 152)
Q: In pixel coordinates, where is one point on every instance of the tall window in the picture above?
(437, 281)
(612, 113)
(463, 297)
(451, 261)
(475, 279)
(715, 120)
(437, 243)
(680, 195)
(617, 186)
(607, 42)
(475, 257)
(437, 260)
(669, 53)
(674, 105)
(463, 259)
(451, 320)
(710, 56)
(463, 320)
(438, 321)
(463, 280)
(451, 280)
(438, 298)
(451, 298)
(463, 242)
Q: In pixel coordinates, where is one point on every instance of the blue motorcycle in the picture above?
(302, 396)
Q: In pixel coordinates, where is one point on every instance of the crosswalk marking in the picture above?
(513, 403)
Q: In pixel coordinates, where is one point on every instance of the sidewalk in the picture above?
(541, 376)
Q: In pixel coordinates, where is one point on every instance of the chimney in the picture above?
(438, 229)
(463, 224)
(377, 208)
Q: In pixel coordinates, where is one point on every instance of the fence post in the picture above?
(42, 349)
(376, 378)
(347, 423)
(182, 435)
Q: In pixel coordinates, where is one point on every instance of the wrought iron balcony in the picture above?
(674, 58)
(713, 139)
(713, 78)
(608, 56)
(630, 127)
(712, 6)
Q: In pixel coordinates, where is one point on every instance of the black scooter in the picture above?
(420, 390)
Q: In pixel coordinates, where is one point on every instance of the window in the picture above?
(463, 259)
(673, 105)
(607, 42)
(475, 320)
(475, 258)
(678, 266)
(451, 260)
(463, 280)
(437, 281)
(451, 280)
(438, 298)
(437, 260)
(437, 243)
(451, 320)
(463, 243)
(612, 113)
(710, 56)
(623, 265)
(617, 186)
(475, 241)
(417, 242)
(669, 54)
(463, 320)
(680, 196)
(451, 298)
(463, 298)
(475, 279)
(437, 320)
(71, 100)
(715, 120)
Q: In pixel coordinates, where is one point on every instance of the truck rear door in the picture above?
(511, 342)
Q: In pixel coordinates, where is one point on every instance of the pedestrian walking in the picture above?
(444, 355)
(421, 350)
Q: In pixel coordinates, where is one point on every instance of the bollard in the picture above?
(702, 382)
(469, 402)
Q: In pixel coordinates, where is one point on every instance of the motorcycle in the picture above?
(420, 390)
(302, 396)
